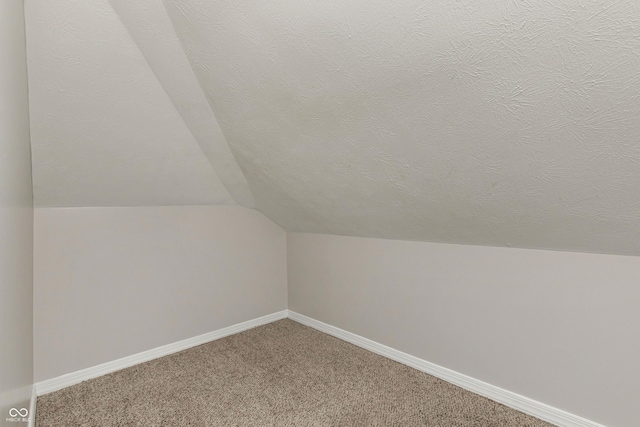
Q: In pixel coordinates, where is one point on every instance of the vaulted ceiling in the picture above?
(509, 123)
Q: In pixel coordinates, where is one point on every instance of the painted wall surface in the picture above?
(162, 49)
(112, 282)
(492, 122)
(557, 327)
(16, 216)
(104, 131)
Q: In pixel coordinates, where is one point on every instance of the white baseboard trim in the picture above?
(67, 380)
(32, 407)
(513, 400)
(523, 404)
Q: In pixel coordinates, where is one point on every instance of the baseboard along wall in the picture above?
(32, 407)
(67, 380)
(513, 400)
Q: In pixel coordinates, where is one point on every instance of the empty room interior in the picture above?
(332, 213)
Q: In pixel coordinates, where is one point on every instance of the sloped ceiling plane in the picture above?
(479, 122)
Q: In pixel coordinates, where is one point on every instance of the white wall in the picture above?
(557, 327)
(103, 130)
(16, 215)
(112, 282)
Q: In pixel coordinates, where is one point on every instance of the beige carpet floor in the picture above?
(281, 374)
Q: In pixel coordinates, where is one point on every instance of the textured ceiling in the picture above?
(483, 122)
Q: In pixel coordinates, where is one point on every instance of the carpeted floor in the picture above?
(281, 374)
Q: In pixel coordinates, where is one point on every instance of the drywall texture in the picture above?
(104, 132)
(481, 122)
(556, 327)
(16, 216)
(112, 282)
